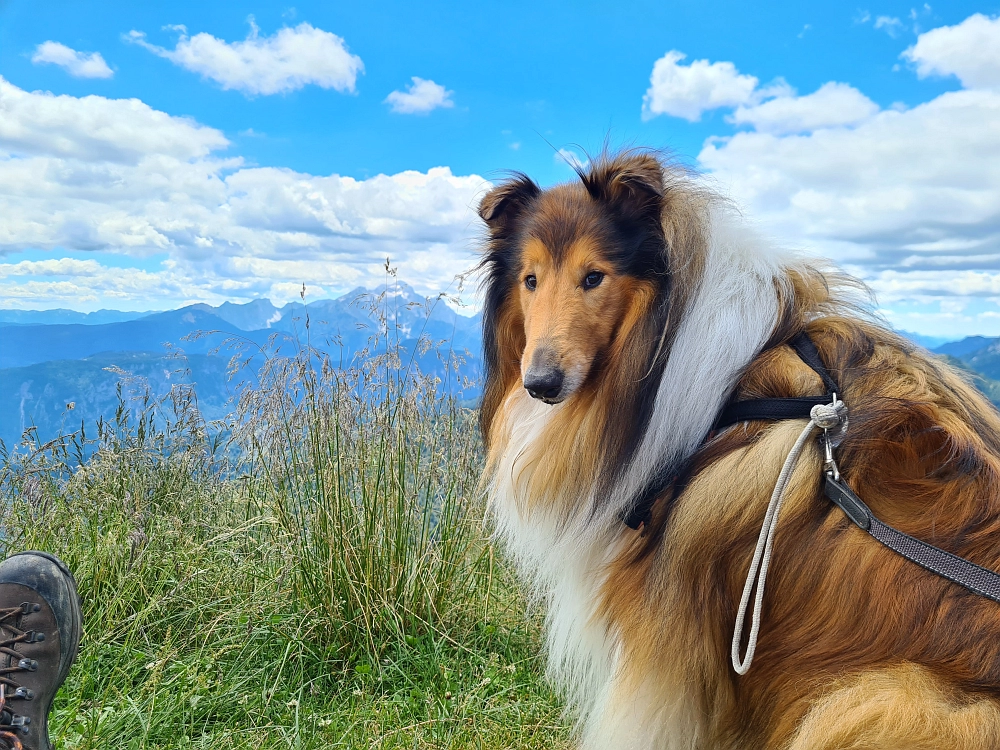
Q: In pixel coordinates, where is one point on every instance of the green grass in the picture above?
(320, 578)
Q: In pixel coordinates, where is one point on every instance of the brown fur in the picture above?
(860, 648)
(839, 606)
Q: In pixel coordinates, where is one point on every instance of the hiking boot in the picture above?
(40, 627)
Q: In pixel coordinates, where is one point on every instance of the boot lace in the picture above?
(11, 635)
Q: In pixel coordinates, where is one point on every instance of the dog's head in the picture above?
(570, 273)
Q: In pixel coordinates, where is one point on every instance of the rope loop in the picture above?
(825, 417)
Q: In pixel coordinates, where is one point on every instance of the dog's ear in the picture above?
(631, 185)
(501, 206)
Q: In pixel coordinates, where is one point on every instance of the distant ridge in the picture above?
(27, 344)
(60, 316)
(966, 346)
(928, 342)
(250, 316)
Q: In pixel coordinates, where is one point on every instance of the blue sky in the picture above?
(266, 148)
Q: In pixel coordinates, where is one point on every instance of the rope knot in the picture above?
(828, 416)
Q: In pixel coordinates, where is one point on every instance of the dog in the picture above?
(622, 312)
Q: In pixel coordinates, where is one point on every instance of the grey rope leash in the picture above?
(826, 417)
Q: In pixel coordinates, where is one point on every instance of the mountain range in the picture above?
(52, 359)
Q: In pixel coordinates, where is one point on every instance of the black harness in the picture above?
(973, 577)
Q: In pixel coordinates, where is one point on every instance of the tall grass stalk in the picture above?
(371, 467)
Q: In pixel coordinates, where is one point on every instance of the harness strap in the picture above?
(794, 407)
(808, 353)
(768, 409)
(975, 578)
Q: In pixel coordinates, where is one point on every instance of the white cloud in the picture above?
(908, 199)
(96, 129)
(290, 59)
(78, 64)
(892, 25)
(969, 50)
(50, 267)
(69, 282)
(420, 98)
(931, 285)
(689, 90)
(200, 227)
(832, 105)
(918, 187)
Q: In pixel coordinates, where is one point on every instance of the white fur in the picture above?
(566, 559)
(729, 319)
(562, 572)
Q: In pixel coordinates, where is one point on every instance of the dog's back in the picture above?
(860, 648)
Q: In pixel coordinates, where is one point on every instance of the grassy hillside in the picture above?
(311, 574)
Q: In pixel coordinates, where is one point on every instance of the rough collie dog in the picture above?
(623, 311)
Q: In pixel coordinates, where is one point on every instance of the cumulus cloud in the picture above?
(927, 285)
(969, 51)
(116, 177)
(77, 64)
(69, 282)
(689, 90)
(96, 129)
(908, 199)
(917, 188)
(421, 97)
(50, 267)
(290, 59)
(832, 105)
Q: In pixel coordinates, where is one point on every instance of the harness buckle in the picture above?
(829, 464)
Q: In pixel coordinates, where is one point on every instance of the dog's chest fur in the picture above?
(566, 560)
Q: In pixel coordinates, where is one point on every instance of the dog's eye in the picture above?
(592, 279)
(530, 282)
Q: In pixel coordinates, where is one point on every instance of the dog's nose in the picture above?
(544, 384)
